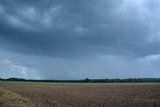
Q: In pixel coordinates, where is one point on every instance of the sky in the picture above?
(77, 39)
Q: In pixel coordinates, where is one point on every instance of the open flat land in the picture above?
(25, 94)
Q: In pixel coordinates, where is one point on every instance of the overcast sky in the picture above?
(75, 39)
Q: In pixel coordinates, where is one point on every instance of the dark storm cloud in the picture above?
(80, 27)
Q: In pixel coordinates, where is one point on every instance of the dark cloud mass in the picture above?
(62, 28)
(75, 39)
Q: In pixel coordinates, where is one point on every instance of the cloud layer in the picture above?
(13, 67)
(82, 37)
(80, 28)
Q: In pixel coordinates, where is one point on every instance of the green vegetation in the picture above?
(87, 80)
(13, 99)
(12, 96)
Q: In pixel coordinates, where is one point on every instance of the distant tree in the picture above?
(87, 80)
(107, 79)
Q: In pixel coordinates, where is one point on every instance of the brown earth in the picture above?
(88, 95)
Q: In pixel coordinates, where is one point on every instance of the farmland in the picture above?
(81, 94)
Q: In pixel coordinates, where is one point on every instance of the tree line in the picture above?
(87, 80)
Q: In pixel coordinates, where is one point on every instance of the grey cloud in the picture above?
(79, 28)
(104, 66)
(109, 66)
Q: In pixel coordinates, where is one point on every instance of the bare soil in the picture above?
(88, 95)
